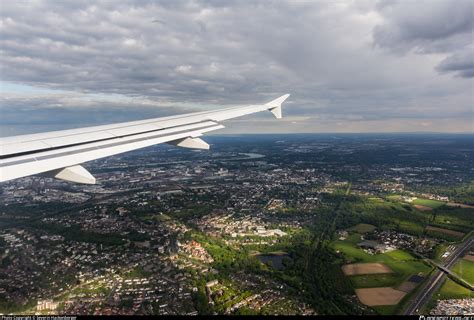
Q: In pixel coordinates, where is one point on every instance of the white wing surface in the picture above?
(60, 153)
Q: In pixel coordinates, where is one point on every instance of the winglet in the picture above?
(275, 105)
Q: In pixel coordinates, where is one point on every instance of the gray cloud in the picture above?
(153, 58)
(461, 63)
(427, 27)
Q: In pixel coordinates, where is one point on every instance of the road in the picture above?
(434, 283)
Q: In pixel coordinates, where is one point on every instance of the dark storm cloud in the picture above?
(177, 56)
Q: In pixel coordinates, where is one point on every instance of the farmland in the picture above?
(429, 203)
(400, 262)
(365, 268)
(362, 228)
(374, 280)
(450, 289)
(382, 291)
(451, 233)
(380, 296)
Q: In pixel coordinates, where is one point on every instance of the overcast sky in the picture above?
(350, 66)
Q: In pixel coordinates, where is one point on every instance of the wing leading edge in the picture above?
(60, 153)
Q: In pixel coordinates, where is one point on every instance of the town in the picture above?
(171, 231)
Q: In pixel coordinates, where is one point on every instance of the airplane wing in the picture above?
(60, 153)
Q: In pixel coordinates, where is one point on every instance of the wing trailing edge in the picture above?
(60, 153)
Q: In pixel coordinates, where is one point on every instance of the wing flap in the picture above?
(23, 147)
(69, 140)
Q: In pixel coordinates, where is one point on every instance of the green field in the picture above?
(456, 219)
(465, 269)
(376, 199)
(400, 255)
(374, 280)
(429, 203)
(362, 228)
(452, 290)
(386, 310)
(402, 263)
(439, 251)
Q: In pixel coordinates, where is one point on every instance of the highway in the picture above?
(436, 280)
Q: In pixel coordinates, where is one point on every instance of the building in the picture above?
(46, 305)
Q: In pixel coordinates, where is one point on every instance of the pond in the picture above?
(274, 260)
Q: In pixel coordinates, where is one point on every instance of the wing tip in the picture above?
(278, 101)
(275, 105)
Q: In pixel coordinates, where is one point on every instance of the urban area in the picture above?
(262, 224)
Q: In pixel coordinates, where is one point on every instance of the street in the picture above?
(436, 280)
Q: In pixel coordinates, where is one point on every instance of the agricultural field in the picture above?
(407, 286)
(380, 296)
(394, 197)
(465, 269)
(433, 204)
(362, 228)
(450, 233)
(400, 255)
(386, 310)
(376, 199)
(400, 262)
(388, 214)
(381, 291)
(354, 269)
(450, 289)
(427, 212)
(469, 257)
(454, 218)
(374, 280)
(459, 205)
(422, 208)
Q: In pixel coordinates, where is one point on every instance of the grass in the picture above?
(402, 263)
(400, 255)
(452, 290)
(429, 203)
(465, 269)
(374, 280)
(439, 251)
(386, 310)
(456, 219)
(394, 197)
(91, 290)
(157, 217)
(362, 228)
(138, 272)
(444, 233)
(410, 226)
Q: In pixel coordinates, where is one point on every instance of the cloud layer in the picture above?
(350, 66)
